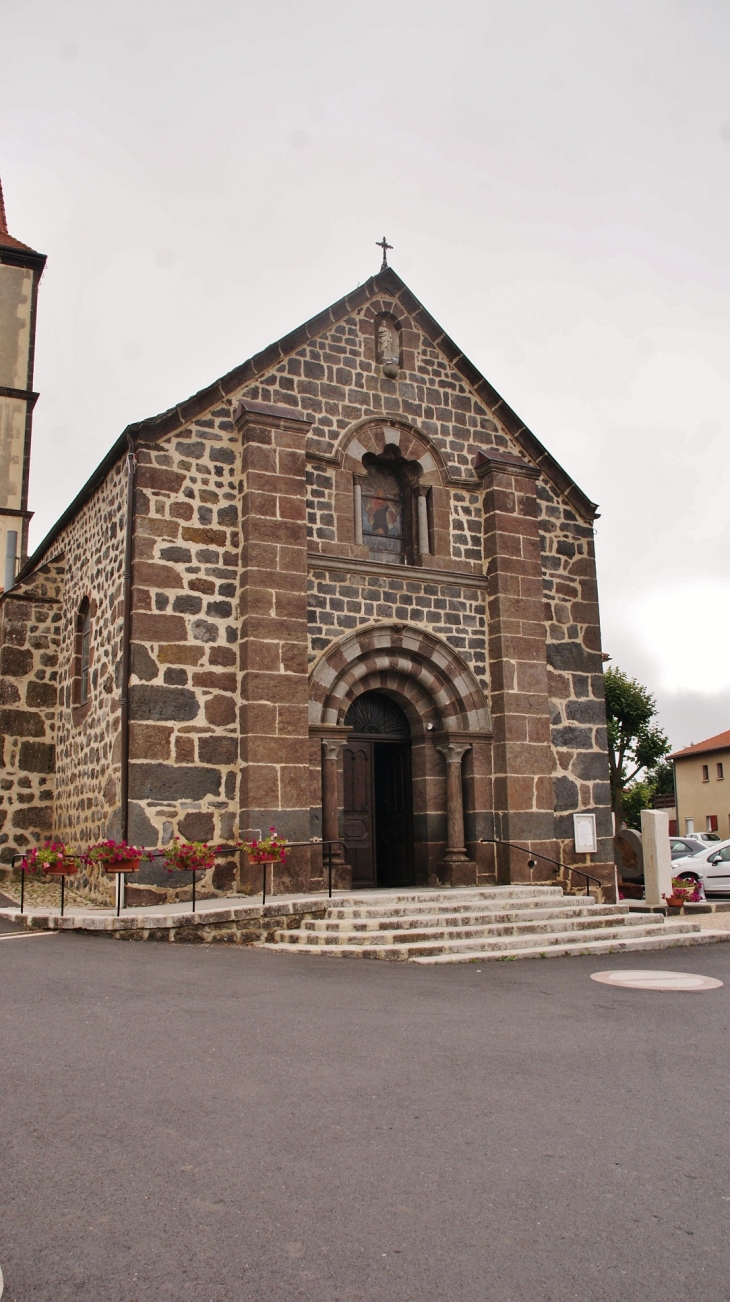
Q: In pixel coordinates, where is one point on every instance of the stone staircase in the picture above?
(476, 925)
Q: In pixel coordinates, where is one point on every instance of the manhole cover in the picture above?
(646, 980)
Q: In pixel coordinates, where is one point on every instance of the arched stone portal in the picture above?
(447, 718)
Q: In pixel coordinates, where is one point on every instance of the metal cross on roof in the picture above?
(384, 245)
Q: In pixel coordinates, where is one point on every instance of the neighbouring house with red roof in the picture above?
(343, 590)
(702, 785)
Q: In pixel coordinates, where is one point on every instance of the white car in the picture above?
(711, 866)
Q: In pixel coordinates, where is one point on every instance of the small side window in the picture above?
(82, 654)
(720, 773)
(705, 773)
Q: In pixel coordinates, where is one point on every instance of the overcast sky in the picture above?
(204, 175)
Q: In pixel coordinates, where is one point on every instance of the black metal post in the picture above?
(263, 884)
(193, 890)
(119, 892)
(22, 886)
(329, 863)
(63, 884)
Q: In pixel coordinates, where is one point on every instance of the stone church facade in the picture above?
(343, 591)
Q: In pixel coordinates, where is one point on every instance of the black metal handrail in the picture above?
(531, 862)
(220, 850)
(292, 845)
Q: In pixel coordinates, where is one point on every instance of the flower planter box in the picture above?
(66, 868)
(122, 866)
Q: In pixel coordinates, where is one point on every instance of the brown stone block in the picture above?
(538, 728)
(158, 628)
(185, 750)
(218, 749)
(286, 533)
(257, 601)
(292, 560)
(213, 537)
(157, 526)
(292, 606)
(220, 710)
(222, 655)
(260, 555)
(220, 682)
(272, 579)
(294, 786)
(260, 628)
(531, 677)
(179, 655)
(258, 717)
(155, 575)
(585, 612)
(258, 656)
(526, 757)
(256, 506)
(181, 510)
(141, 599)
(292, 462)
(294, 657)
(260, 787)
(160, 478)
(559, 686)
(144, 547)
(285, 689)
(40, 696)
(274, 750)
(523, 648)
(292, 508)
(21, 723)
(292, 721)
(149, 741)
(261, 458)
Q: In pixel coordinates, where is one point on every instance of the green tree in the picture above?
(635, 743)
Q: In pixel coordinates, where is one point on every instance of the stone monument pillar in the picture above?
(657, 856)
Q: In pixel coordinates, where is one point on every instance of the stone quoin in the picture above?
(359, 601)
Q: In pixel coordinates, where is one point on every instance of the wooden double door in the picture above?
(378, 811)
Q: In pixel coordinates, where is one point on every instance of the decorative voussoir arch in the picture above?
(373, 436)
(432, 681)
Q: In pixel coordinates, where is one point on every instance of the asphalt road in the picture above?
(208, 1124)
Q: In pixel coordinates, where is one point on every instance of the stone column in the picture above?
(274, 733)
(331, 749)
(522, 753)
(423, 543)
(357, 507)
(459, 868)
(657, 856)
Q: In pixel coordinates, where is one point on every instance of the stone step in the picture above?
(433, 940)
(386, 900)
(442, 907)
(429, 946)
(480, 918)
(311, 935)
(666, 938)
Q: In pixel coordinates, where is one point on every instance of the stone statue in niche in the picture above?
(387, 350)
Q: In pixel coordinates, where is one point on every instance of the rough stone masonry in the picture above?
(353, 513)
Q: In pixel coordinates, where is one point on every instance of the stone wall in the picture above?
(87, 736)
(30, 642)
(575, 674)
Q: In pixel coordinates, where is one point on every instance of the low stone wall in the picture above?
(241, 925)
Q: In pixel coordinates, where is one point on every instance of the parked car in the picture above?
(711, 867)
(682, 846)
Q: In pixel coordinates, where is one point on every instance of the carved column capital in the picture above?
(453, 751)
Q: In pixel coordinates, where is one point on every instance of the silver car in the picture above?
(711, 867)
